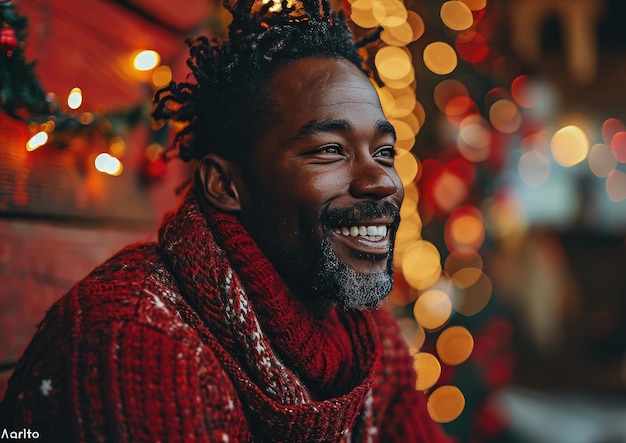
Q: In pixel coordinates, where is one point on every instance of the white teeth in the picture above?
(373, 232)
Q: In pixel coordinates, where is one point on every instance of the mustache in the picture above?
(364, 210)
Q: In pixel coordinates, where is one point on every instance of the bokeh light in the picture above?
(146, 60)
(472, 46)
(534, 168)
(432, 309)
(456, 15)
(474, 140)
(449, 190)
(421, 264)
(428, 370)
(445, 403)
(472, 299)
(404, 131)
(462, 258)
(411, 193)
(521, 90)
(37, 141)
(610, 127)
(108, 164)
(475, 5)
(440, 58)
(389, 13)
(406, 166)
(399, 83)
(455, 345)
(601, 160)
(466, 277)
(505, 116)
(161, 76)
(409, 231)
(405, 32)
(417, 24)
(616, 185)
(448, 90)
(117, 146)
(75, 98)
(464, 229)
(569, 146)
(362, 14)
(618, 146)
(393, 62)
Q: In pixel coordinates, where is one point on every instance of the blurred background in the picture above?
(511, 256)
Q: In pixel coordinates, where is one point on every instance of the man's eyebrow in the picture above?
(316, 126)
(384, 127)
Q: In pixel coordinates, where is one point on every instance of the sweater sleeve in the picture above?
(405, 417)
(121, 378)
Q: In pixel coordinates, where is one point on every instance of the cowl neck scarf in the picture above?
(300, 378)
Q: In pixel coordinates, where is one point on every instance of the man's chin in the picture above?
(349, 289)
(345, 278)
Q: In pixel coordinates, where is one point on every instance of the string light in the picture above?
(146, 60)
(37, 141)
(75, 98)
(108, 164)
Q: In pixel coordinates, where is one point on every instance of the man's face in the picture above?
(323, 195)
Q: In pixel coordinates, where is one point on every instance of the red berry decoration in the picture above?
(8, 41)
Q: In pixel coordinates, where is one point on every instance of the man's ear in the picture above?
(219, 183)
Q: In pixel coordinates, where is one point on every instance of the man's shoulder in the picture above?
(116, 287)
(133, 286)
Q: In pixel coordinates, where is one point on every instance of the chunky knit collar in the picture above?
(301, 378)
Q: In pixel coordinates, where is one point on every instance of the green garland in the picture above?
(20, 89)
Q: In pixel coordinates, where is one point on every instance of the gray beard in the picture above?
(338, 283)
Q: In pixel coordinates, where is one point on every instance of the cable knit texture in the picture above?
(197, 338)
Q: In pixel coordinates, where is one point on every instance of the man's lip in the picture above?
(363, 245)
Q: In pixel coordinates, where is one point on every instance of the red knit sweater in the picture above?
(196, 338)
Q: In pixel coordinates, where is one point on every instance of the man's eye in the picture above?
(387, 152)
(330, 149)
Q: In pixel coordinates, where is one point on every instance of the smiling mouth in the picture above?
(373, 233)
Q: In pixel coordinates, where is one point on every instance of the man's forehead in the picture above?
(317, 83)
(322, 71)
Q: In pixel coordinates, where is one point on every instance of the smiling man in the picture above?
(256, 316)
(324, 195)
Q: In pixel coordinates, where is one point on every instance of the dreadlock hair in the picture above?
(222, 106)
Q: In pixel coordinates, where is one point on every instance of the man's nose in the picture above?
(370, 179)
